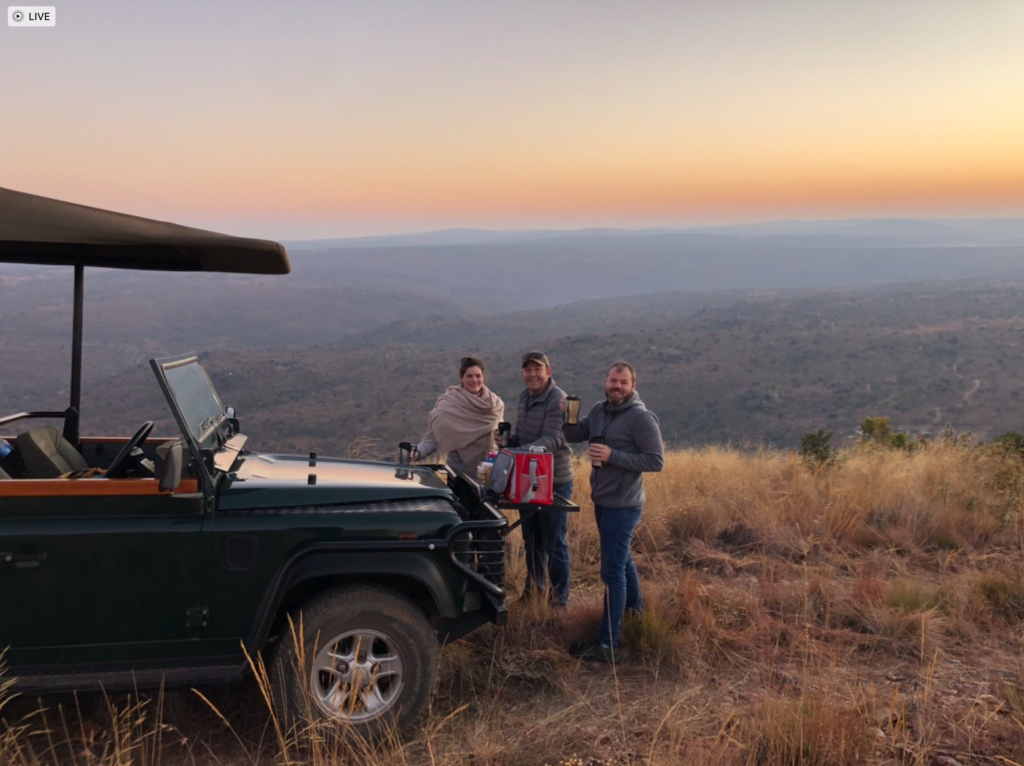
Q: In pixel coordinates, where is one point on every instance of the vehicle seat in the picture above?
(47, 455)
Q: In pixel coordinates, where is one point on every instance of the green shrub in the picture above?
(1012, 442)
(816, 446)
(878, 432)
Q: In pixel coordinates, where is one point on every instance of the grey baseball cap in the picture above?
(536, 356)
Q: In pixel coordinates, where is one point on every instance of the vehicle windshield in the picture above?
(195, 400)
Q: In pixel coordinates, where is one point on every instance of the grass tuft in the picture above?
(1004, 592)
(807, 731)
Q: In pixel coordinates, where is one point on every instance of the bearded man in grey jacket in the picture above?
(625, 442)
(539, 424)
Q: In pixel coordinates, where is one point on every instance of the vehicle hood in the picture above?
(277, 481)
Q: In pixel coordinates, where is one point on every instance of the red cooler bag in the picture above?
(524, 475)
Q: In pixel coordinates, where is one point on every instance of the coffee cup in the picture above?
(596, 440)
(404, 452)
(572, 410)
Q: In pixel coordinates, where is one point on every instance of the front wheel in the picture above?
(365, 657)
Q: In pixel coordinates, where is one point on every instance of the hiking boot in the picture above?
(592, 651)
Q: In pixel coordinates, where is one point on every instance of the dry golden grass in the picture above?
(867, 612)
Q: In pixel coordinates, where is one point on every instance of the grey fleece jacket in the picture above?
(539, 424)
(633, 433)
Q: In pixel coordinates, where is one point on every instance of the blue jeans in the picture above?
(547, 550)
(622, 585)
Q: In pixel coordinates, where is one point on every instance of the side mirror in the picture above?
(171, 456)
(232, 420)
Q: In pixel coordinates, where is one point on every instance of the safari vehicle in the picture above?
(142, 562)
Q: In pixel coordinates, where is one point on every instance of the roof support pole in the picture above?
(71, 417)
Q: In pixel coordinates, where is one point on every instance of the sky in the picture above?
(338, 118)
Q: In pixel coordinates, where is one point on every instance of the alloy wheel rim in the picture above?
(357, 676)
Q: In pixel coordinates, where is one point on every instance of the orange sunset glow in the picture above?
(338, 120)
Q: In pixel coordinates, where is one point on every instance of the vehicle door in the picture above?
(98, 570)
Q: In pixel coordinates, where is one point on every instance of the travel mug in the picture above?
(404, 451)
(596, 440)
(504, 429)
(572, 410)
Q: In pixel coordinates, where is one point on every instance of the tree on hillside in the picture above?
(878, 431)
(816, 446)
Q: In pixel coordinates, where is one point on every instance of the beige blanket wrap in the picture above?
(464, 423)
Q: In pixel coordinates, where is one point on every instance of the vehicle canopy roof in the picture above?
(43, 231)
(40, 230)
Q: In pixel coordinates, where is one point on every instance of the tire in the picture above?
(365, 658)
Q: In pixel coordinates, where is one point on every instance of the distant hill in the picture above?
(745, 332)
(412, 292)
(762, 371)
(134, 315)
(882, 232)
(553, 272)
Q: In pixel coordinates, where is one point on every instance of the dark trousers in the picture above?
(622, 585)
(547, 550)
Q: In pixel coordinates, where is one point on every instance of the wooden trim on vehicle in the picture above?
(106, 439)
(124, 439)
(90, 487)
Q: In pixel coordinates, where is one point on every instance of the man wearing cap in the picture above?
(625, 442)
(539, 424)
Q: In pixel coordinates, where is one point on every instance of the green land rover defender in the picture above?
(141, 562)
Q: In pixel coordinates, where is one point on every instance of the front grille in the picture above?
(483, 551)
(480, 553)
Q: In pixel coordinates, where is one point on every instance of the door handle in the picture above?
(22, 560)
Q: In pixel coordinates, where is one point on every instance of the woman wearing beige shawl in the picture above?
(463, 420)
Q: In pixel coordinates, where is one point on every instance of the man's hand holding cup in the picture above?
(571, 407)
(598, 451)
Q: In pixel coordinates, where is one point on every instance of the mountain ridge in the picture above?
(916, 232)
